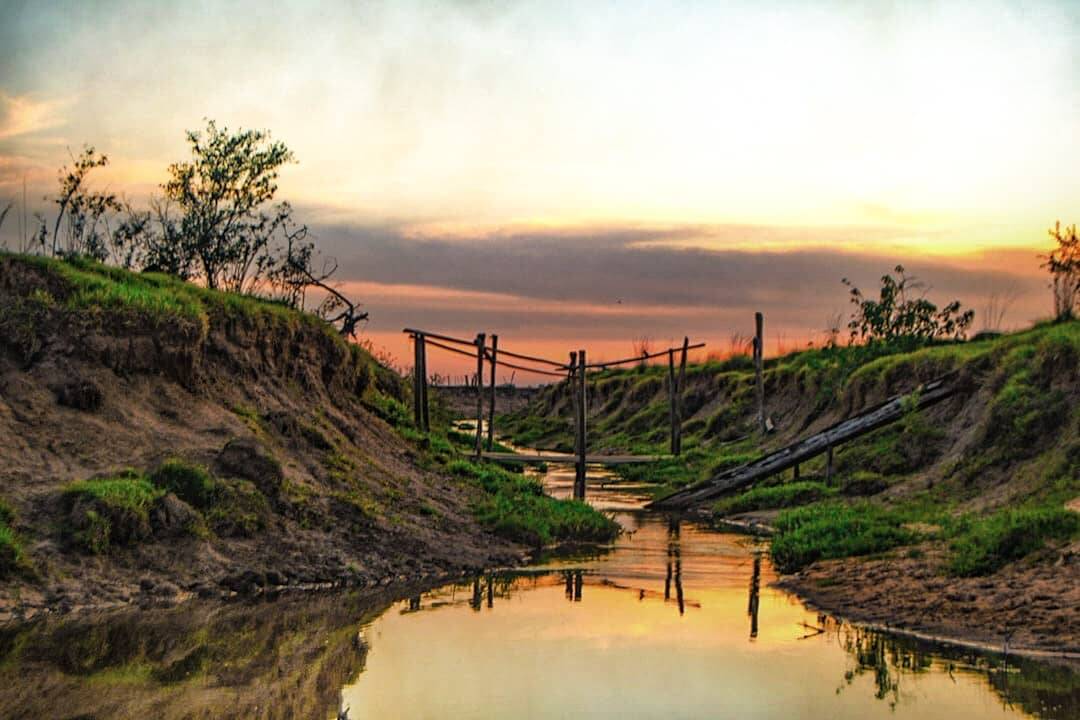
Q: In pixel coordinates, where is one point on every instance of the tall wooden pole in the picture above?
(759, 361)
(679, 397)
(424, 405)
(491, 404)
(672, 392)
(418, 394)
(479, 392)
(582, 409)
(572, 386)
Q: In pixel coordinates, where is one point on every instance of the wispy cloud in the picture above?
(22, 115)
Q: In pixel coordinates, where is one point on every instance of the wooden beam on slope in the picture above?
(867, 421)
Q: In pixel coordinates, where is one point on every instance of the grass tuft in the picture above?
(986, 544)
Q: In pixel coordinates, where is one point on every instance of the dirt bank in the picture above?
(106, 375)
(1030, 606)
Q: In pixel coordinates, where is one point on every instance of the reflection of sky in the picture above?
(623, 651)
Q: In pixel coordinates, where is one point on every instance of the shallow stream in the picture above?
(674, 620)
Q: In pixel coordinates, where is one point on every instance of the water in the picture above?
(672, 621)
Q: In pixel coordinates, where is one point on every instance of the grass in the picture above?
(515, 507)
(12, 556)
(111, 294)
(835, 530)
(776, 496)
(985, 544)
(191, 483)
(112, 511)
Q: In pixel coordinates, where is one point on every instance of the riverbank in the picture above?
(166, 442)
(952, 522)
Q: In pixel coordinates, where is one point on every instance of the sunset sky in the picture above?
(579, 174)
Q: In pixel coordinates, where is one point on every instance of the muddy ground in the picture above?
(1032, 604)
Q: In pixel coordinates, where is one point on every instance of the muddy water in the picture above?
(673, 620)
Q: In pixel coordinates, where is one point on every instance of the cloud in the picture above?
(599, 288)
(25, 115)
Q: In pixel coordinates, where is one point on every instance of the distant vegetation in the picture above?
(899, 317)
(216, 224)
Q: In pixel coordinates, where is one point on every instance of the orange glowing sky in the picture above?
(623, 137)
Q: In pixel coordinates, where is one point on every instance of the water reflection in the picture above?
(673, 620)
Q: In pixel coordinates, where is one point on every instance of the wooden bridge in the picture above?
(574, 374)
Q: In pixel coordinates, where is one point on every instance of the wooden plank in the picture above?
(418, 394)
(425, 415)
(680, 396)
(572, 459)
(887, 412)
(759, 374)
(579, 474)
(638, 358)
(672, 392)
(479, 392)
(491, 402)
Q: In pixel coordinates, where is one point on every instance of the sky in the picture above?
(581, 174)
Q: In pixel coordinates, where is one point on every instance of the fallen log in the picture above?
(867, 421)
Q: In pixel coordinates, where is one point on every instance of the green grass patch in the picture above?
(985, 544)
(777, 496)
(834, 530)
(12, 556)
(112, 511)
(515, 507)
(191, 483)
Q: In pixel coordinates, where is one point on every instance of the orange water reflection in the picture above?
(674, 621)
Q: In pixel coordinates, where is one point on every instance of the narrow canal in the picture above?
(674, 620)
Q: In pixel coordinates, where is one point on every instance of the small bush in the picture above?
(834, 530)
(777, 496)
(190, 483)
(986, 544)
(110, 511)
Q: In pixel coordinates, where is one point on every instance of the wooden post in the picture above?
(418, 394)
(479, 391)
(425, 416)
(795, 473)
(828, 465)
(582, 413)
(759, 361)
(672, 392)
(679, 398)
(491, 405)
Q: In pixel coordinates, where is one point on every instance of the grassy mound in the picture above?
(107, 512)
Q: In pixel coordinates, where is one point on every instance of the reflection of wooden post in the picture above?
(679, 397)
(582, 411)
(479, 391)
(418, 394)
(424, 415)
(491, 405)
(672, 392)
(759, 375)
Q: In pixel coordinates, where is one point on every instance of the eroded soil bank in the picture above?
(1028, 607)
